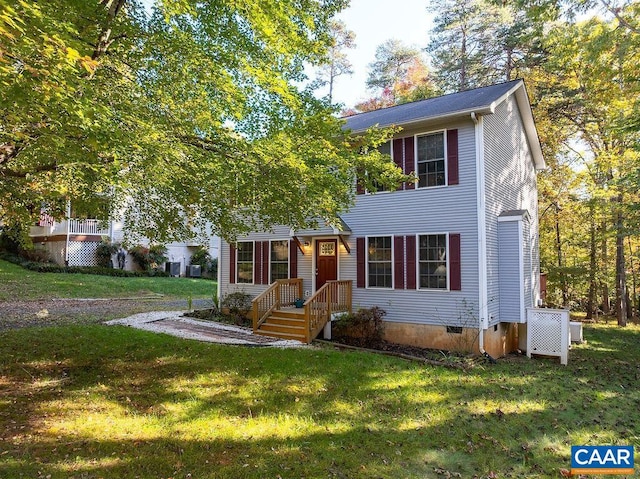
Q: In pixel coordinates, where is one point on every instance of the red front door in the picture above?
(326, 261)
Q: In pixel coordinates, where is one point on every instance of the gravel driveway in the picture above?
(21, 314)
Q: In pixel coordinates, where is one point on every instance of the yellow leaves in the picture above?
(86, 62)
(72, 54)
(89, 64)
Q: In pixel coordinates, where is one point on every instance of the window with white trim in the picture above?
(431, 160)
(432, 261)
(279, 260)
(244, 262)
(379, 262)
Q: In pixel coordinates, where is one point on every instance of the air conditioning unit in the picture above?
(575, 327)
(194, 271)
(173, 268)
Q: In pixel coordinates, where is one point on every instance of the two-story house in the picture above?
(452, 258)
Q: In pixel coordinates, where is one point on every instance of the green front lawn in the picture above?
(112, 402)
(17, 283)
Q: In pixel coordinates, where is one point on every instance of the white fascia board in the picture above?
(486, 110)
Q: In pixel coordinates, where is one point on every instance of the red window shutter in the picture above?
(398, 261)
(265, 262)
(293, 259)
(452, 157)
(409, 160)
(360, 259)
(411, 262)
(257, 262)
(398, 156)
(232, 264)
(455, 276)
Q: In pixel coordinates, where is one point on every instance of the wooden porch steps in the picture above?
(284, 324)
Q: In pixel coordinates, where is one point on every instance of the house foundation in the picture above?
(499, 340)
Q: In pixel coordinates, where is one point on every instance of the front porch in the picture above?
(275, 313)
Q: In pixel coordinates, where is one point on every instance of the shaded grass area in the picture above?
(22, 284)
(97, 401)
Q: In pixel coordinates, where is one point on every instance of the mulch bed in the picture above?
(413, 353)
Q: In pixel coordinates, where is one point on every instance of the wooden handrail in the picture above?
(333, 297)
(282, 292)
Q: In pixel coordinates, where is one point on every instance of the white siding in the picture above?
(510, 184)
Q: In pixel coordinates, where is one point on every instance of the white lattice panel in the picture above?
(83, 253)
(548, 333)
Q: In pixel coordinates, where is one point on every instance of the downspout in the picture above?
(483, 307)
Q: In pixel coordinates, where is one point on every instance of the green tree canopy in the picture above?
(191, 113)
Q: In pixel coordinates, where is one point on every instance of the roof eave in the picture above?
(483, 110)
(530, 126)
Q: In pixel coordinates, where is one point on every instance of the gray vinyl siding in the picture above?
(510, 184)
(279, 233)
(510, 269)
(448, 209)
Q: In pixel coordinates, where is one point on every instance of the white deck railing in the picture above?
(89, 227)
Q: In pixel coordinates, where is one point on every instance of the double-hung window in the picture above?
(279, 260)
(244, 261)
(379, 262)
(432, 260)
(431, 160)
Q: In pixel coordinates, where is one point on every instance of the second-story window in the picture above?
(431, 160)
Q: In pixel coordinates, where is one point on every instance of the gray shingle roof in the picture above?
(442, 106)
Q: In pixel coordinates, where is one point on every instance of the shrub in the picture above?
(239, 305)
(157, 255)
(140, 255)
(202, 258)
(208, 264)
(35, 255)
(56, 268)
(362, 328)
(104, 252)
(148, 258)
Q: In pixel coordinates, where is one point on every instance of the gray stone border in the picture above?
(175, 324)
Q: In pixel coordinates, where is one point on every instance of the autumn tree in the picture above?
(336, 62)
(398, 74)
(192, 113)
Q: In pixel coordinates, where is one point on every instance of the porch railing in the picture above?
(89, 227)
(283, 292)
(333, 297)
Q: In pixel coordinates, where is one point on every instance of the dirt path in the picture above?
(21, 314)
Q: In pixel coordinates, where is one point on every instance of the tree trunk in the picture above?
(634, 296)
(563, 279)
(606, 301)
(621, 280)
(104, 40)
(592, 265)
(463, 63)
